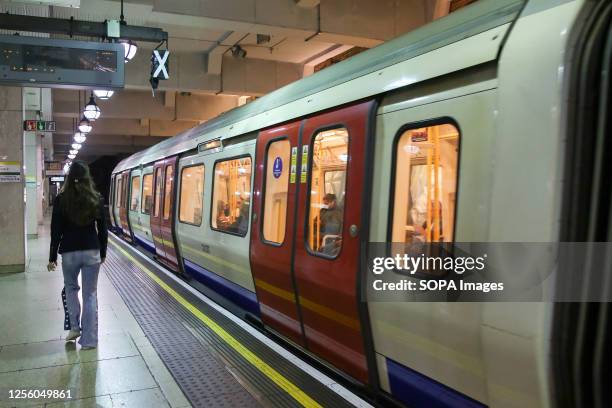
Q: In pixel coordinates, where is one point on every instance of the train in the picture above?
(477, 127)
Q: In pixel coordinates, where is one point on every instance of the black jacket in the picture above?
(67, 236)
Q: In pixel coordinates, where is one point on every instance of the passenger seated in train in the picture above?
(241, 223)
(422, 232)
(148, 203)
(223, 213)
(330, 225)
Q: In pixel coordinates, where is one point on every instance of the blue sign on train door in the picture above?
(277, 167)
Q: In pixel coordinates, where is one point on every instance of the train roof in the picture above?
(477, 18)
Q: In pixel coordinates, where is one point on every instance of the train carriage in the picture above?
(451, 133)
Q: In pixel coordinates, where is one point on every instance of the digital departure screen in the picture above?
(48, 59)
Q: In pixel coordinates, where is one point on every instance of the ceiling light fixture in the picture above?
(71, 156)
(79, 137)
(76, 146)
(129, 49)
(92, 110)
(85, 125)
(74, 151)
(103, 94)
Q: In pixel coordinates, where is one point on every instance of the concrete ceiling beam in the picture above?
(130, 104)
(244, 76)
(360, 20)
(187, 73)
(128, 127)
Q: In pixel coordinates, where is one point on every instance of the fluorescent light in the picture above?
(103, 94)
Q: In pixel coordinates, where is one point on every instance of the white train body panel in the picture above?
(227, 255)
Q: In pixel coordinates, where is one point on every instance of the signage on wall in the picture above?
(277, 167)
(57, 178)
(39, 125)
(293, 164)
(10, 172)
(304, 170)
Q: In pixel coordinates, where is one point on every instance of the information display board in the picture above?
(60, 63)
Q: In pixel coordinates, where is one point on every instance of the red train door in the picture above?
(162, 216)
(305, 235)
(125, 201)
(327, 248)
(273, 230)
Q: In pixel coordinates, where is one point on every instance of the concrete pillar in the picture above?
(32, 147)
(46, 151)
(32, 142)
(12, 205)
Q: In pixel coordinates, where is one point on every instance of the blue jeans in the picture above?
(73, 263)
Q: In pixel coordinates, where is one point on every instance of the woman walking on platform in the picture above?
(79, 232)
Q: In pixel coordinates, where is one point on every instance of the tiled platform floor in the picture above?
(124, 371)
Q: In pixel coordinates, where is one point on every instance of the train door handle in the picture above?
(353, 231)
(254, 218)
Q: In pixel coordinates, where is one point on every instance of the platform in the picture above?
(161, 344)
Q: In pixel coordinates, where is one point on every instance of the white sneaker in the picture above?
(73, 335)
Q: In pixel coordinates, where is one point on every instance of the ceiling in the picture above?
(206, 79)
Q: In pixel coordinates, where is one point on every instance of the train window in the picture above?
(147, 193)
(168, 192)
(327, 188)
(192, 195)
(118, 192)
(232, 196)
(158, 187)
(425, 184)
(276, 186)
(135, 194)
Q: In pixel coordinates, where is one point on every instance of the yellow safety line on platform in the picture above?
(299, 395)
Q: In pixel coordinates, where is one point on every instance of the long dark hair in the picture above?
(79, 198)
